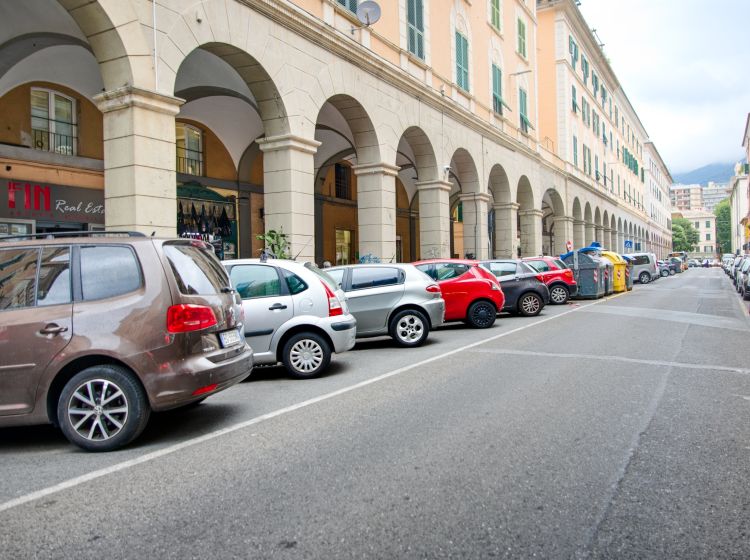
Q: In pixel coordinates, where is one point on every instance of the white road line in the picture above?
(658, 363)
(88, 477)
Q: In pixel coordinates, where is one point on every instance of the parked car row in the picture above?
(738, 270)
(162, 323)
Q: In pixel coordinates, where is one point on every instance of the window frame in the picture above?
(347, 5)
(462, 61)
(201, 160)
(52, 120)
(496, 12)
(413, 29)
(283, 288)
(521, 37)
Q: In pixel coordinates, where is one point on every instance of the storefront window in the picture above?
(343, 246)
(189, 142)
(53, 124)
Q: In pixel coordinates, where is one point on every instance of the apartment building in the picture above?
(686, 197)
(418, 135)
(705, 223)
(657, 201)
(713, 193)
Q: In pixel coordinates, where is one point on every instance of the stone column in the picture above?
(608, 244)
(563, 233)
(289, 190)
(590, 233)
(475, 224)
(579, 233)
(506, 230)
(531, 232)
(599, 235)
(620, 242)
(376, 214)
(140, 184)
(434, 219)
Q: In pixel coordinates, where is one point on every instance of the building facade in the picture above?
(739, 203)
(686, 197)
(705, 224)
(713, 193)
(418, 136)
(658, 205)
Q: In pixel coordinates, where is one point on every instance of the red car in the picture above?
(558, 277)
(471, 293)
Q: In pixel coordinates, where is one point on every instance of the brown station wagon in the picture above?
(97, 331)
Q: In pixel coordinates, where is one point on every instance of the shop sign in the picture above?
(41, 201)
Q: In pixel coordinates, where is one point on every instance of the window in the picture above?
(539, 266)
(497, 90)
(708, 223)
(574, 95)
(573, 49)
(189, 142)
(596, 167)
(373, 277)
(18, 278)
(415, 27)
(501, 269)
(108, 271)
(54, 277)
(575, 151)
(708, 237)
(585, 69)
(495, 18)
(343, 181)
(256, 281)
(523, 109)
(462, 61)
(697, 225)
(196, 271)
(295, 284)
(350, 5)
(594, 83)
(446, 271)
(53, 122)
(343, 246)
(521, 38)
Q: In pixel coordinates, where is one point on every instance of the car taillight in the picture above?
(569, 275)
(188, 317)
(433, 289)
(334, 305)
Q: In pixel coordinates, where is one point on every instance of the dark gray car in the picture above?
(391, 299)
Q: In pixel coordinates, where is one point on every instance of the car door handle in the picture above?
(52, 328)
(277, 307)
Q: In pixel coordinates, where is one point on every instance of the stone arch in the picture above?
(501, 219)
(468, 207)
(555, 230)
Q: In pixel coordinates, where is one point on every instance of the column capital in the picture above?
(579, 222)
(532, 212)
(437, 184)
(479, 197)
(378, 168)
(288, 142)
(506, 206)
(129, 96)
(567, 219)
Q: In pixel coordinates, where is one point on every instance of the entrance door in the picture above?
(59, 227)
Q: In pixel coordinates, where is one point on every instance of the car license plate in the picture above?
(230, 338)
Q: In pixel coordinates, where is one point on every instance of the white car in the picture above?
(294, 314)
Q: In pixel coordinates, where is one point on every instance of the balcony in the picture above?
(189, 162)
(46, 138)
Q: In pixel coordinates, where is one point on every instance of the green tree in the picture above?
(684, 236)
(723, 212)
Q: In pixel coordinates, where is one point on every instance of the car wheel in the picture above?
(664, 273)
(672, 272)
(529, 305)
(409, 328)
(102, 408)
(559, 294)
(745, 294)
(644, 277)
(481, 315)
(306, 355)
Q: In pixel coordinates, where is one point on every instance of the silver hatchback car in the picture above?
(294, 314)
(391, 299)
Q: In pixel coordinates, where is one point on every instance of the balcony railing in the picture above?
(48, 141)
(189, 162)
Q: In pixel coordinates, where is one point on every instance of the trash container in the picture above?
(588, 270)
(628, 272)
(596, 249)
(620, 271)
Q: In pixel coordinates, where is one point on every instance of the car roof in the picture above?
(470, 262)
(377, 265)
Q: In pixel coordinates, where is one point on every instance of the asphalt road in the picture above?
(616, 429)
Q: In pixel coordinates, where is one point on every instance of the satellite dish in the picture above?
(368, 13)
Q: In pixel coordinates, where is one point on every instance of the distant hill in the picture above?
(716, 172)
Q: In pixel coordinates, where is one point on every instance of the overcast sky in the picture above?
(685, 66)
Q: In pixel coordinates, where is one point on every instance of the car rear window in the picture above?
(500, 269)
(327, 280)
(560, 264)
(539, 266)
(196, 271)
(373, 277)
(295, 284)
(108, 271)
(446, 271)
(18, 277)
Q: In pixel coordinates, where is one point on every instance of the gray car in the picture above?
(391, 299)
(645, 268)
(294, 314)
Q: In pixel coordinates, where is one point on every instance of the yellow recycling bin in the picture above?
(620, 267)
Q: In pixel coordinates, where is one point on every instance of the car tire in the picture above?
(559, 294)
(306, 355)
(481, 314)
(664, 273)
(745, 294)
(409, 328)
(102, 408)
(672, 272)
(530, 305)
(644, 277)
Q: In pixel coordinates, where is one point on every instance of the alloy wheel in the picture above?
(558, 295)
(409, 329)
(530, 304)
(98, 410)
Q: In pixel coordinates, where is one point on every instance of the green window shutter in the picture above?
(415, 27)
(497, 90)
(575, 151)
(521, 38)
(349, 4)
(495, 16)
(575, 98)
(462, 61)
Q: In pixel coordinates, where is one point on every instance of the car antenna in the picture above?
(153, 233)
(303, 248)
